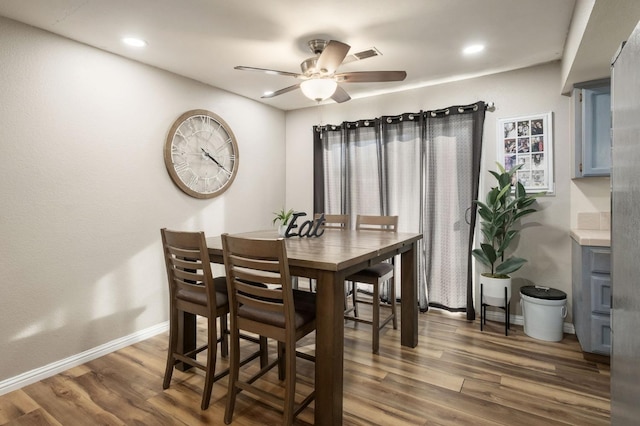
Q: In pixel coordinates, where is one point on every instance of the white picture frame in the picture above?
(528, 140)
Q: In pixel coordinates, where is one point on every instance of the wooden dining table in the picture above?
(328, 259)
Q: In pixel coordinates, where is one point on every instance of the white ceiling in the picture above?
(205, 39)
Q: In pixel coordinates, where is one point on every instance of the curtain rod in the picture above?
(488, 106)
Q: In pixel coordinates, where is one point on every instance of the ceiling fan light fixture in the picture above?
(318, 89)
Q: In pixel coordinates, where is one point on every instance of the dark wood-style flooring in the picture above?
(456, 376)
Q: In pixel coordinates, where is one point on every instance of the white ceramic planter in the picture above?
(493, 290)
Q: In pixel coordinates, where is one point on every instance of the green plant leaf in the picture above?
(485, 213)
(481, 257)
(514, 169)
(503, 192)
(489, 252)
(523, 213)
(526, 202)
(283, 216)
(510, 265)
(492, 197)
(495, 175)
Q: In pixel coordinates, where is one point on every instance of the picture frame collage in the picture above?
(528, 140)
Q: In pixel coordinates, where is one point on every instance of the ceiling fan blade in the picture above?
(268, 71)
(370, 76)
(340, 95)
(281, 91)
(332, 56)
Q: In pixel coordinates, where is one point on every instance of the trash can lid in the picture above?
(540, 292)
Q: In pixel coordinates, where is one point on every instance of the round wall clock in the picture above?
(201, 154)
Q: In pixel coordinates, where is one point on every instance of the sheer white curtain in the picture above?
(364, 175)
(402, 159)
(446, 197)
(423, 167)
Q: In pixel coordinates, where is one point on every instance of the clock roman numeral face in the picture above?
(201, 154)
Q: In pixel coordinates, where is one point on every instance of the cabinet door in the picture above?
(596, 131)
(600, 294)
(600, 334)
(592, 129)
(599, 259)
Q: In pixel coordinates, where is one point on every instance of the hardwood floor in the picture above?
(457, 375)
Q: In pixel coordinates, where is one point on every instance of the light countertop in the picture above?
(592, 237)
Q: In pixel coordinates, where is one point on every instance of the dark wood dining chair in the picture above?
(278, 312)
(193, 290)
(375, 276)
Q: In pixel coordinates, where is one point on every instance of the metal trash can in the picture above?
(544, 310)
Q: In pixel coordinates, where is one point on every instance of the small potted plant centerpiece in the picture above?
(505, 204)
(283, 217)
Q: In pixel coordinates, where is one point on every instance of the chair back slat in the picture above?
(335, 221)
(266, 279)
(264, 305)
(184, 252)
(377, 223)
(255, 264)
(256, 290)
(187, 263)
(188, 276)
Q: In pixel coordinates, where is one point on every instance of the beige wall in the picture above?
(85, 191)
(545, 240)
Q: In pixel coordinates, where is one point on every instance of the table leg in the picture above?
(409, 298)
(186, 336)
(329, 348)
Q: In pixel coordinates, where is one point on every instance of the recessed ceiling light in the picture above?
(474, 48)
(268, 93)
(134, 42)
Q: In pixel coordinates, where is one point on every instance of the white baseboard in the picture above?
(35, 375)
(567, 327)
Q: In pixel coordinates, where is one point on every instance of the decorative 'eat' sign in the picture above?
(309, 228)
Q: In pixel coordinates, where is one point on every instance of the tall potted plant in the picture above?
(505, 204)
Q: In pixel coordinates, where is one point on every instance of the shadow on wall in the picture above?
(22, 345)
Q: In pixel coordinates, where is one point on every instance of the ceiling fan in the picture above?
(319, 78)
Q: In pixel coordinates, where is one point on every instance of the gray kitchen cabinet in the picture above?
(592, 128)
(591, 297)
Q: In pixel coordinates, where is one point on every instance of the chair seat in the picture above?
(200, 297)
(305, 311)
(375, 271)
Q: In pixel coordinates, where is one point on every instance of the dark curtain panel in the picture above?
(478, 113)
(421, 166)
(318, 170)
